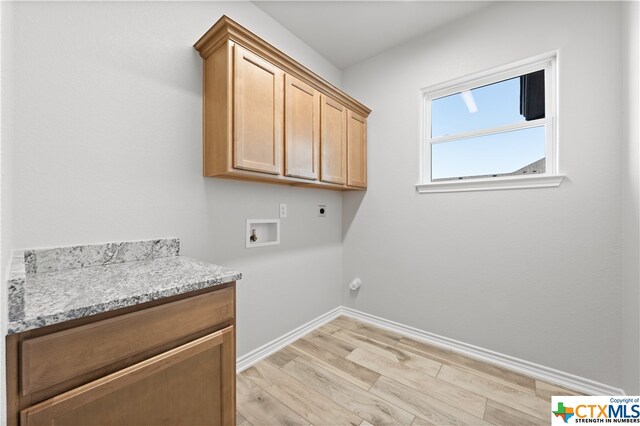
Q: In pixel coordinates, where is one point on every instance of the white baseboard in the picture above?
(247, 360)
(530, 369)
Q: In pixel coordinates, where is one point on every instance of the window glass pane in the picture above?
(497, 104)
(508, 153)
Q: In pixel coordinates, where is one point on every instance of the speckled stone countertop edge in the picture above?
(42, 321)
(51, 259)
(134, 257)
(16, 280)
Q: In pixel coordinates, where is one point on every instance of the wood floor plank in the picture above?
(372, 332)
(365, 423)
(282, 357)
(407, 358)
(421, 422)
(328, 342)
(511, 396)
(364, 342)
(448, 357)
(240, 419)
(501, 415)
(422, 405)
(260, 408)
(461, 398)
(393, 367)
(313, 406)
(546, 390)
(364, 404)
(341, 366)
(328, 328)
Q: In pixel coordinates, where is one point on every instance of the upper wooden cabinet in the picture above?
(268, 118)
(356, 150)
(333, 141)
(302, 129)
(257, 114)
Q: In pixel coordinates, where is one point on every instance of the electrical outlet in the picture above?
(322, 210)
(283, 210)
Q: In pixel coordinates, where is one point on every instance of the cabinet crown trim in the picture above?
(227, 29)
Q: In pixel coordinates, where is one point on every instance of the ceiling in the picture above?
(346, 32)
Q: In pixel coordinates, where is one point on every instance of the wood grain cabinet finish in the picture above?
(160, 363)
(333, 158)
(302, 129)
(257, 113)
(356, 150)
(184, 386)
(263, 116)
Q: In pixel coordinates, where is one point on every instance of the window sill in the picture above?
(491, 184)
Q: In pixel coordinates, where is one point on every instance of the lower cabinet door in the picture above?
(193, 384)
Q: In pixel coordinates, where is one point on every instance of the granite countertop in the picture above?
(49, 286)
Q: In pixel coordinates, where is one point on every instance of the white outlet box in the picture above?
(284, 210)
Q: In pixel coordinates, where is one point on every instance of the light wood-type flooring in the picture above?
(349, 372)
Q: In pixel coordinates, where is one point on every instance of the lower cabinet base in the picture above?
(167, 362)
(183, 386)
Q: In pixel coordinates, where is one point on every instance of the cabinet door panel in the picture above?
(258, 103)
(193, 384)
(357, 151)
(302, 129)
(333, 142)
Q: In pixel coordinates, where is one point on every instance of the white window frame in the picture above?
(551, 176)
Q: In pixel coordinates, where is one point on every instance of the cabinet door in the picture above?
(193, 384)
(258, 104)
(302, 129)
(333, 141)
(357, 151)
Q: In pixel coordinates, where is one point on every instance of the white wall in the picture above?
(106, 117)
(6, 192)
(533, 273)
(631, 202)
